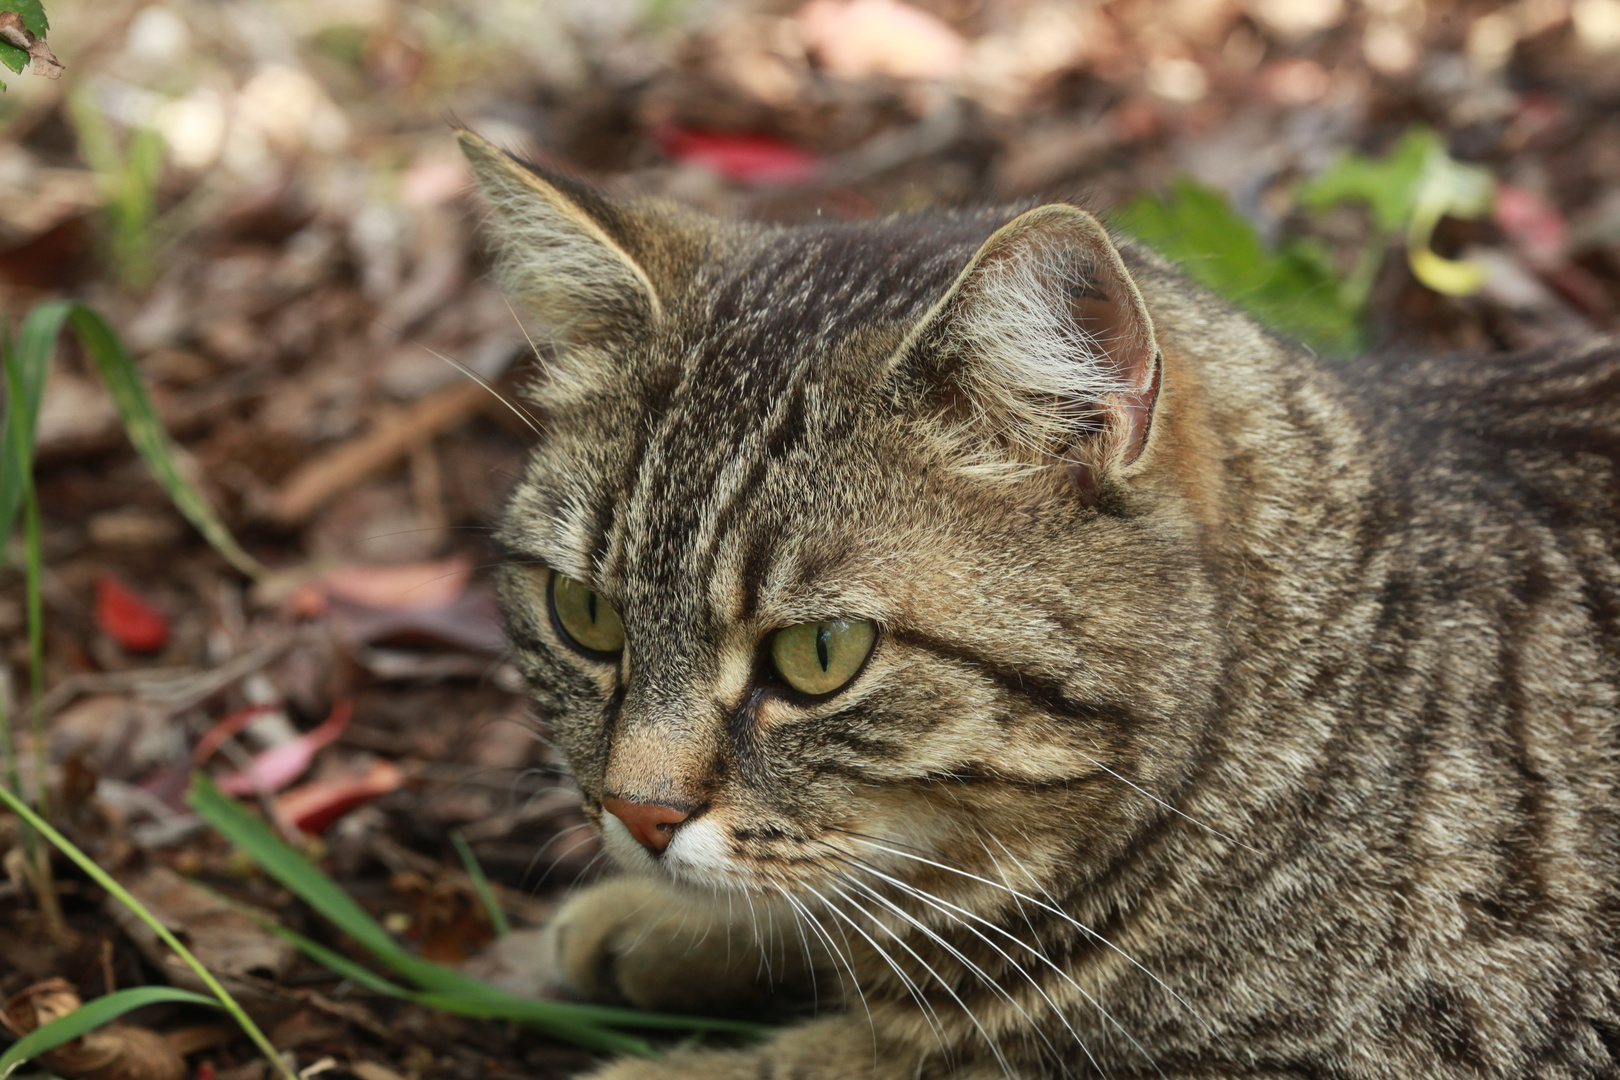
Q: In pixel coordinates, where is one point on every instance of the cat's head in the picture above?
(840, 550)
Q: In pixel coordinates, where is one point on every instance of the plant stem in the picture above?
(44, 883)
(36, 642)
(123, 896)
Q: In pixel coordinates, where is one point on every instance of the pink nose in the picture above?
(651, 824)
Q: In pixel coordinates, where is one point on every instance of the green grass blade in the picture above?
(8, 470)
(494, 1003)
(486, 894)
(31, 354)
(549, 1017)
(89, 1016)
(333, 960)
(471, 997)
(287, 866)
(35, 556)
(145, 430)
(280, 861)
(329, 958)
(123, 896)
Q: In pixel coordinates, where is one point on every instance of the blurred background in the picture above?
(264, 199)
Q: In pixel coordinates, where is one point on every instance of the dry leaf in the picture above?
(858, 39)
(14, 32)
(113, 1052)
(225, 940)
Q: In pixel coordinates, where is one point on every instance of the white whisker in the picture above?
(1052, 908)
(927, 1010)
(1141, 790)
(960, 915)
(522, 414)
(995, 1047)
(981, 975)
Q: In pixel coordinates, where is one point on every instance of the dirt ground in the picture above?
(264, 197)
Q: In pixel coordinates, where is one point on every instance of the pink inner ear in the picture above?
(1107, 309)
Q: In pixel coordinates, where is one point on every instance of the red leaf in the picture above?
(314, 806)
(128, 618)
(748, 158)
(1533, 223)
(279, 766)
(227, 727)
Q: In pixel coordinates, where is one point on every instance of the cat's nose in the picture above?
(651, 824)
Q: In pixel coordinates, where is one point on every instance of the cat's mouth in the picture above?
(700, 852)
(713, 854)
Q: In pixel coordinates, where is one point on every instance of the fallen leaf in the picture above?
(747, 158)
(127, 618)
(13, 32)
(858, 39)
(404, 586)
(227, 941)
(314, 806)
(470, 622)
(1533, 224)
(235, 722)
(372, 1070)
(114, 1051)
(279, 766)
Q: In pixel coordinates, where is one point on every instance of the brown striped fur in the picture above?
(1280, 741)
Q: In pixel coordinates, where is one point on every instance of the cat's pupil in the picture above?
(590, 606)
(823, 640)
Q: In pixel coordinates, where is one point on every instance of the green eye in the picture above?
(584, 617)
(819, 657)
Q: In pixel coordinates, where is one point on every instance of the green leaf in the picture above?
(13, 57)
(146, 431)
(1389, 185)
(486, 894)
(1293, 289)
(31, 354)
(1409, 190)
(33, 15)
(89, 1016)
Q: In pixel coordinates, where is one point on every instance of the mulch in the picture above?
(310, 255)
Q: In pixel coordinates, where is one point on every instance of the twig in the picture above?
(343, 467)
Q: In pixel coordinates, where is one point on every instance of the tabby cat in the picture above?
(963, 627)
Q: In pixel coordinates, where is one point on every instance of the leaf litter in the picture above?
(265, 204)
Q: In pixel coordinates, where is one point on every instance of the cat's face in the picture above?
(806, 560)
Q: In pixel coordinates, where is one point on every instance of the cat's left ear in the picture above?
(1041, 352)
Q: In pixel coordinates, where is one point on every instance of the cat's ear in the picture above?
(1041, 352)
(566, 252)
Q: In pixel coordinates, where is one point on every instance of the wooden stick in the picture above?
(337, 470)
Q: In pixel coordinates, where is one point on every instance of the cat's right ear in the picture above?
(566, 252)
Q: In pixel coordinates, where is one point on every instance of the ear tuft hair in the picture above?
(1040, 354)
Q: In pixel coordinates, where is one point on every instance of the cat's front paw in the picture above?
(636, 941)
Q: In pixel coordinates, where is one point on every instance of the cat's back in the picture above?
(1541, 425)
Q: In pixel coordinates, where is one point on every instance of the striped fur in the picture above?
(1283, 747)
